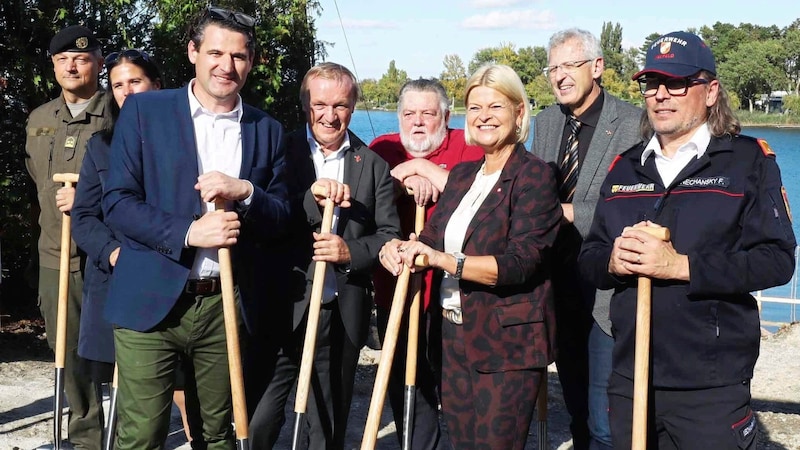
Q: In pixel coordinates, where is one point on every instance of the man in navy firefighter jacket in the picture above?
(721, 197)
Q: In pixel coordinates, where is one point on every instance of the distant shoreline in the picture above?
(460, 111)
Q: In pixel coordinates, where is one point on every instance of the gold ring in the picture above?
(638, 259)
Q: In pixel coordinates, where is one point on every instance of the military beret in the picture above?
(75, 38)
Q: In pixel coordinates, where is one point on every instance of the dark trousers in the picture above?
(573, 324)
(85, 420)
(486, 411)
(717, 418)
(330, 394)
(147, 362)
(425, 425)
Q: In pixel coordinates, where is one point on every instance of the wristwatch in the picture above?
(460, 258)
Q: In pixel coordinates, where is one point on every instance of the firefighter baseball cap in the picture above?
(75, 38)
(678, 54)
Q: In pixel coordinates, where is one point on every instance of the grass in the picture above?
(762, 119)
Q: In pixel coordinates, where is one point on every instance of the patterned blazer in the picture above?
(509, 326)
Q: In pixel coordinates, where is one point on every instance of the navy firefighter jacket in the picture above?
(727, 211)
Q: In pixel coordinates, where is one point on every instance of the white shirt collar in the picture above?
(698, 142)
(195, 108)
(315, 147)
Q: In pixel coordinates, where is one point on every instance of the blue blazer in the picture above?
(151, 201)
(93, 236)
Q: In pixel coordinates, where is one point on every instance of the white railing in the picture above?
(791, 300)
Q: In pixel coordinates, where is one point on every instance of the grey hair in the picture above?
(589, 43)
(424, 85)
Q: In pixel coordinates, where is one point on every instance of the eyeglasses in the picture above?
(130, 54)
(231, 16)
(566, 67)
(675, 86)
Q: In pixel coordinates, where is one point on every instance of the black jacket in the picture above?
(726, 210)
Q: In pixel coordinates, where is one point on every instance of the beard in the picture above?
(423, 147)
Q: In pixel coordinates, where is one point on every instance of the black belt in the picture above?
(203, 286)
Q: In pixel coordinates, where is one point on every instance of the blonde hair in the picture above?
(504, 80)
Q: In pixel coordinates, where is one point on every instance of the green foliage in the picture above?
(754, 67)
(791, 105)
(620, 87)
(528, 62)
(539, 92)
(390, 83)
(454, 77)
(285, 35)
(611, 44)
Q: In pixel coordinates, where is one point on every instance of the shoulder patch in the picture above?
(765, 148)
(786, 203)
(614, 162)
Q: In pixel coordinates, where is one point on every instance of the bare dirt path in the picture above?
(26, 396)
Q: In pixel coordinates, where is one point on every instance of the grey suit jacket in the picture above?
(617, 130)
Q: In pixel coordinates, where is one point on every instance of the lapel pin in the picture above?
(357, 158)
(608, 132)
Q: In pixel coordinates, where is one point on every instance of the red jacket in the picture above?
(452, 151)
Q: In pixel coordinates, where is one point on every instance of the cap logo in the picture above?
(665, 47)
(81, 42)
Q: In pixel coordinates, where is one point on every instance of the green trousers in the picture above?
(85, 419)
(147, 361)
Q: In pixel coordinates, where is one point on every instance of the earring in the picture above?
(518, 130)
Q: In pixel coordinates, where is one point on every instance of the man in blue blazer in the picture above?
(174, 153)
(608, 126)
(327, 155)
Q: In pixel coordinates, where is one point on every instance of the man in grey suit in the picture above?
(580, 137)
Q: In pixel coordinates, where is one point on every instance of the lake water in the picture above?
(784, 141)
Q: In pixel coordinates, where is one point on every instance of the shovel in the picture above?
(61, 322)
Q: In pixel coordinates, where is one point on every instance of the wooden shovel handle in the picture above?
(414, 310)
(68, 179)
(230, 314)
(315, 304)
(641, 368)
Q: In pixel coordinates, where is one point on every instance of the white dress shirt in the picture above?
(456, 231)
(669, 168)
(219, 148)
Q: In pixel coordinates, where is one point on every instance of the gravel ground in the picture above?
(26, 396)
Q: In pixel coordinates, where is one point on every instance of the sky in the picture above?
(417, 34)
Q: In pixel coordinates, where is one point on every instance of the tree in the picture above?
(611, 44)
(528, 62)
(648, 41)
(369, 91)
(539, 92)
(791, 44)
(622, 87)
(454, 77)
(791, 104)
(390, 83)
(754, 67)
(285, 36)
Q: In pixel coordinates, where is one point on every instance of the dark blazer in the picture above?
(151, 200)
(93, 236)
(509, 326)
(366, 225)
(617, 130)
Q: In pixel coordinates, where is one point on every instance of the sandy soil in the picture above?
(26, 396)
